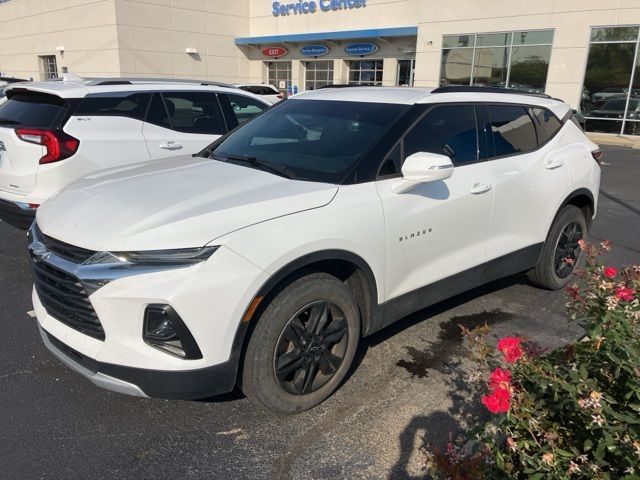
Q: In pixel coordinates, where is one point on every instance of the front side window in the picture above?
(315, 140)
(511, 130)
(245, 107)
(447, 130)
(194, 112)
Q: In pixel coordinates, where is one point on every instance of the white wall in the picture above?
(154, 34)
(86, 29)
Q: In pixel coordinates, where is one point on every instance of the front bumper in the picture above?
(140, 382)
(17, 214)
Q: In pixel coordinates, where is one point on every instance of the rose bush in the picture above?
(573, 412)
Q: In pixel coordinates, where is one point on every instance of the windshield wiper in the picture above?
(8, 121)
(267, 167)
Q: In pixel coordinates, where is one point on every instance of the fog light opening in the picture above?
(164, 329)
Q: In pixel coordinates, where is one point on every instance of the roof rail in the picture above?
(133, 80)
(480, 89)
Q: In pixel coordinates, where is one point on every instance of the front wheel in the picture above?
(303, 345)
(561, 254)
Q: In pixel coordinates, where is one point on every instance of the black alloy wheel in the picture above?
(311, 348)
(568, 249)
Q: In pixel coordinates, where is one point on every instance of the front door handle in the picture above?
(479, 188)
(170, 146)
(553, 164)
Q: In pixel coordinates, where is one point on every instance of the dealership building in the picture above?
(583, 51)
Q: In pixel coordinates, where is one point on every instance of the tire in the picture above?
(282, 342)
(552, 272)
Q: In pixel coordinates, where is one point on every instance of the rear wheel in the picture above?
(303, 345)
(561, 254)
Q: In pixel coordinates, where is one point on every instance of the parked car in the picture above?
(608, 93)
(263, 260)
(268, 92)
(52, 133)
(614, 110)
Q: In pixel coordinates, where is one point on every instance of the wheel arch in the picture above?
(347, 266)
(584, 200)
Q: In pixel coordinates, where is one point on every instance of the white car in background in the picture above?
(269, 92)
(264, 260)
(52, 133)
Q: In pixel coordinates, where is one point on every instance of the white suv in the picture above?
(52, 133)
(268, 92)
(330, 216)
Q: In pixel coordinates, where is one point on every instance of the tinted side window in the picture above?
(448, 130)
(268, 91)
(512, 130)
(157, 113)
(194, 112)
(547, 124)
(245, 107)
(132, 105)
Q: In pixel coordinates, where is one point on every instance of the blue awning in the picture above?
(327, 36)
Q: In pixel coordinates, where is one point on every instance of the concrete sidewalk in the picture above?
(629, 141)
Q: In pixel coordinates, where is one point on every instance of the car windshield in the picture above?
(314, 140)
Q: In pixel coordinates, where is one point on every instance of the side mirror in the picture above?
(423, 167)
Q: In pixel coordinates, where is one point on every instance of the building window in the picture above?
(279, 72)
(611, 89)
(365, 72)
(48, 67)
(406, 72)
(518, 60)
(318, 74)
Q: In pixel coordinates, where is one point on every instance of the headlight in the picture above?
(177, 257)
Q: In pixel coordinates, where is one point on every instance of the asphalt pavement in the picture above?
(404, 391)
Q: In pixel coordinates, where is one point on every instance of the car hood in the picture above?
(178, 202)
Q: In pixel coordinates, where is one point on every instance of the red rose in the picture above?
(625, 294)
(497, 401)
(510, 348)
(610, 272)
(500, 379)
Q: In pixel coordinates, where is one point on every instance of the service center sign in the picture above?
(314, 50)
(361, 49)
(274, 52)
(282, 9)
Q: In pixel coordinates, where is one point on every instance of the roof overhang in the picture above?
(382, 33)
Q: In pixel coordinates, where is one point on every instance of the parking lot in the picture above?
(55, 424)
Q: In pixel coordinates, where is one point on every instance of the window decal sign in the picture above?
(274, 51)
(314, 50)
(360, 49)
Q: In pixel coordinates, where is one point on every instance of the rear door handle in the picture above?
(170, 146)
(553, 164)
(479, 188)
